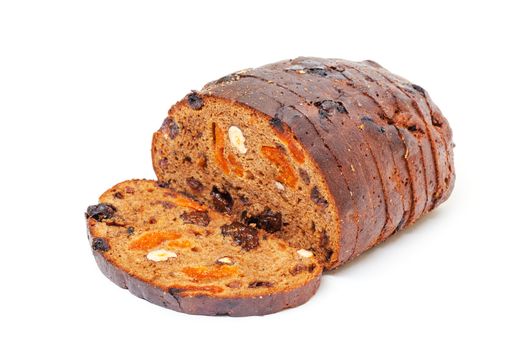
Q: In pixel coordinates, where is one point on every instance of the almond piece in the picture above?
(161, 255)
(237, 139)
(305, 253)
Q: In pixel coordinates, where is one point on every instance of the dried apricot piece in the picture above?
(282, 131)
(294, 149)
(286, 172)
(218, 140)
(214, 272)
(153, 239)
(236, 166)
(179, 244)
(188, 203)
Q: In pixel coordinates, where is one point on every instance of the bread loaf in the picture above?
(266, 177)
(347, 152)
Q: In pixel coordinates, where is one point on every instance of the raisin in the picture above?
(118, 195)
(171, 127)
(195, 101)
(270, 221)
(317, 71)
(100, 244)
(194, 184)
(337, 68)
(297, 269)
(163, 163)
(165, 184)
(310, 67)
(325, 240)
(200, 218)
(315, 195)
(101, 211)
(367, 119)
(267, 220)
(436, 121)
(328, 254)
(244, 236)
(244, 200)
(327, 108)
(304, 176)
(222, 200)
(277, 124)
(259, 284)
(418, 88)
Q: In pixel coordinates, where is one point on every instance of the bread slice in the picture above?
(171, 249)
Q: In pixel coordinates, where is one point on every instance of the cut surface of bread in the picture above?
(231, 151)
(175, 251)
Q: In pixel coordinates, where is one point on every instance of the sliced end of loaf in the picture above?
(219, 145)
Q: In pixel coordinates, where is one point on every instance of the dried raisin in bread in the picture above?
(346, 152)
(172, 250)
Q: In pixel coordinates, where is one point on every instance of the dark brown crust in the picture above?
(206, 304)
(383, 173)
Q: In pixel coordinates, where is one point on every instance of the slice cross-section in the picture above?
(174, 251)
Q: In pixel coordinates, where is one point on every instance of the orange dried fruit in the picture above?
(236, 166)
(214, 272)
(188, 203)
(218, 139)
(179, 244)
(291, 143)
(283, 133)
(287, 174)
(151, 240)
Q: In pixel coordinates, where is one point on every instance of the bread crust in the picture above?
(206, 304)
(392, 134)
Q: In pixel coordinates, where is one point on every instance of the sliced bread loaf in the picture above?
(347, 152)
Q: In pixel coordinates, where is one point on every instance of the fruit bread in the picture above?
(345, 153)
(173, 250)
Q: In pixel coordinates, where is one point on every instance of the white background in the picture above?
(83, 87)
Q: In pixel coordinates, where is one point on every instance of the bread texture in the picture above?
(174, 251)
(347, 152)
